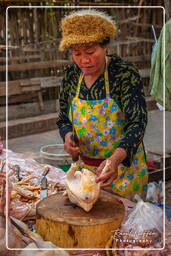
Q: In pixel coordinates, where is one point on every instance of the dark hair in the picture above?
(105, 41)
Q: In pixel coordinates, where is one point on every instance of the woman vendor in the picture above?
(102, 101)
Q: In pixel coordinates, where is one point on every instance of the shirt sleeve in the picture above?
(63, 122)
(135, 111)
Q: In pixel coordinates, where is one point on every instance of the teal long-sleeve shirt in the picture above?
(126, 89)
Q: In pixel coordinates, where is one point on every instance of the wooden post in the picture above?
(35, 22)
(167, 4)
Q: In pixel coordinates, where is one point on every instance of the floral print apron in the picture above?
(100, 125)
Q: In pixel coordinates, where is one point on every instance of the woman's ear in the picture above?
(106, 48)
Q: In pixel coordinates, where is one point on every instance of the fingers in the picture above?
(103, 177)
(108, 176)
(100, 168)
(109, 181)
(70, 145)
(74, 151)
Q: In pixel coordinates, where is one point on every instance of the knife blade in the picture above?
(2, 166)
(43, 188)
(47, 169)
(17, 171)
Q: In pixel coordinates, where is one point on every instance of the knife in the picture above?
(43, 188)
(47, 169)
(17, 170)
(2, 166)
(74, 136)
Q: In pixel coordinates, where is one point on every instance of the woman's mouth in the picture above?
(87, 67)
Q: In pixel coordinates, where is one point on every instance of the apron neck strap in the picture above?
(106, 77)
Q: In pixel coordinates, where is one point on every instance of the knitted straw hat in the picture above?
(86, 26)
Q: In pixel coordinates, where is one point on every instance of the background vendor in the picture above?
(102, 101)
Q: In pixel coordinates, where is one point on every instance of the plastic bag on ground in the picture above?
(143, 226)
(155, 192)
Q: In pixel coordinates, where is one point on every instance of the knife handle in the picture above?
(47, 169)
(74, 138)
(75, 158)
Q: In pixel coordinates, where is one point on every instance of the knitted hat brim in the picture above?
(71, 41)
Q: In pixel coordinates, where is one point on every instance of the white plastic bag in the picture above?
(143, 227)
(155, 192)
(145, 216)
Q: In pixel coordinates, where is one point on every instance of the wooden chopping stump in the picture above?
(69, 226)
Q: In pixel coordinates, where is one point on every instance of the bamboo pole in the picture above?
(167, 4)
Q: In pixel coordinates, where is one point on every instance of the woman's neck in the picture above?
(91, 78)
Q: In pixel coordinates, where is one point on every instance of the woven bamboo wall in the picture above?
(34, 35)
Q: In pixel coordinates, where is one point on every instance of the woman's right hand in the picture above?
(70, 146)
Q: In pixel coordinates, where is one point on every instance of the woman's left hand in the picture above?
(111, 173)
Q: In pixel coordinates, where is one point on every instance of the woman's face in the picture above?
(90, 58)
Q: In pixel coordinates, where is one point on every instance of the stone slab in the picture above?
(158, 132)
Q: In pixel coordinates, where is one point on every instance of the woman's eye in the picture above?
(89, 53)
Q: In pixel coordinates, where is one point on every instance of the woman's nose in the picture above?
(85, 60)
